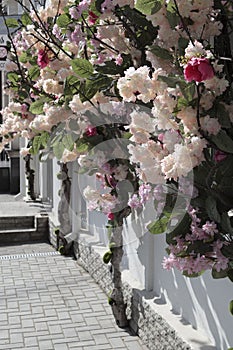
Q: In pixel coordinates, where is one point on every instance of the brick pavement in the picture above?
(48, 302)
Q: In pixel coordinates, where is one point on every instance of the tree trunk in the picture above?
(30, 177)
(63, 246)
(116, 298)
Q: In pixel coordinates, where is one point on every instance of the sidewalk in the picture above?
(48, 302)
(10, 206)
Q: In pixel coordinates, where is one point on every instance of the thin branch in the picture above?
(183, 22)
(97, 39)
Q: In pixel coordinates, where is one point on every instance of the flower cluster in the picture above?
(140, 94)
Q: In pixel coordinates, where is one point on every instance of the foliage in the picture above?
(138, 92)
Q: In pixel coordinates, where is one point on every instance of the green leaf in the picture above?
(171, 81)
(82, 67)
(198, 247)
(37, 106)
(58, 149)
(159, 226)
(223, 141)
(111, 68)
(148, 7)
(182, 44)
(73, 125)
(62, 176)
(98, 4)
(63, 21)
(226, 223)
(72, 85)
(82, 147)
(188, 90)
(231, 307)
(230, 274)
(220, 274)
(26, 19)
(36, 144)
(181, 229)
(44, 139)
(181, 103)
(160, 52)
(13, 78)
(12, 23)
(220, 112)
(33, 72)
(68, 142)
(211, 208)
(192, 275)
(107, 257)
(23, 58)
(172, 16)
(92, 86)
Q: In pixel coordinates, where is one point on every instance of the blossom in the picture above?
(169, 262)
(69, 156)
(211, 125)
(134, 202)
(92, 18)
(111, 216)
(42, 58)
(210, 228)
(219, 156)
(198, 69)
(136, 84)
(24, 151)
(194, 50)
(91, 131)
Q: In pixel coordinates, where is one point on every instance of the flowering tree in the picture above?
(140, 93)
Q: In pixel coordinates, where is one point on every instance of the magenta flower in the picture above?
(219, 156)
(110, 216)
(92, 18)
(198, 69)
(91, 131)
(43, 58)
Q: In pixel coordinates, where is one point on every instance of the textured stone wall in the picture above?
(151, 327)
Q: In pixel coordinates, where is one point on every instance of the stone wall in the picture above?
(151, 327)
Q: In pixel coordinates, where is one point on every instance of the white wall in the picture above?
(202, 302)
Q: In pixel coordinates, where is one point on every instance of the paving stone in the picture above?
(50, 303)
(116, 342)
(30, 341)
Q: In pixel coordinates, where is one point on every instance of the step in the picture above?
(19, 234)
(22, 236)
(14, 222)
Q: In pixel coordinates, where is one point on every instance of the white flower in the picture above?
(177, 164)
(195, 49)
(69, 156)
(211, 125)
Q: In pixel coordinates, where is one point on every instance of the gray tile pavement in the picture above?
(48, 302)
(10, 205)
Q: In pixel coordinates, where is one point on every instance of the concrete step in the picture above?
(34, 229)
(17, 222)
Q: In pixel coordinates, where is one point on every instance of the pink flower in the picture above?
(119, 60)
(169, 262)
(91, 131)
(219, 156)
(134, 202)
(111, 216)
(198, 69)
(42, 59)
(92, 18)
